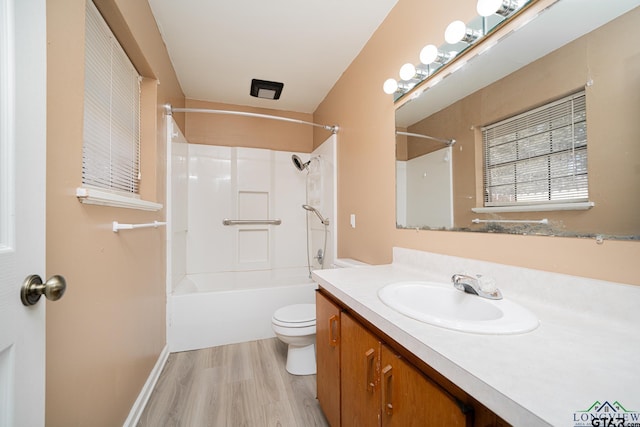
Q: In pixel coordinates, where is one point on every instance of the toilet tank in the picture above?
(348, 262)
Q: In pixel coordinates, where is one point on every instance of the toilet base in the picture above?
(301, 360)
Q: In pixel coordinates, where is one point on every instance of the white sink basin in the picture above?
(443, 305)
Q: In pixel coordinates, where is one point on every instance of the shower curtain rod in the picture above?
(170, 110)
(419, 135)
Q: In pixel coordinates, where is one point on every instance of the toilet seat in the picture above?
(295, 316)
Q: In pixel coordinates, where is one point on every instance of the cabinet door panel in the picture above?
(360, 372)
(409, 399)
(328, 358)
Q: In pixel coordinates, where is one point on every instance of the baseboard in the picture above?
(145, 393)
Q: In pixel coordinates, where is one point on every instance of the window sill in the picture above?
(577, 206)
(93, 196)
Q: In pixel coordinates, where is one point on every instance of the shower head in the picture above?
(297, 162)
(324, 221)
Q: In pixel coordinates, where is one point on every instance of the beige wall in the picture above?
(105, 335)
(366, 166)
(613, 131)
(251, 132)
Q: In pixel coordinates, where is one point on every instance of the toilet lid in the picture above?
(297, 314)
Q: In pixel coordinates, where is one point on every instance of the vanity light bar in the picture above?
(497, 7)
(456, 32)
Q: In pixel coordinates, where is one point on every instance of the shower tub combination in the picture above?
(228, 280)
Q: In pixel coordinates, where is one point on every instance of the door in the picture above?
(359, 374)
(328, 358)
(411, 399)
(22, 208)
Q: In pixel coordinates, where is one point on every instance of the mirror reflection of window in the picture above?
(538, 157)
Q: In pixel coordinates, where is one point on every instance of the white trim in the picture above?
(169, 122)
(93, 196)
(147, 389)
(577, 206)
(7, 124)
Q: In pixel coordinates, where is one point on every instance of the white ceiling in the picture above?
(217, 46)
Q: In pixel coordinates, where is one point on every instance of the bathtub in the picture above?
(212, 309)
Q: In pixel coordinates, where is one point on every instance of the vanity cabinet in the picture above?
(379, 388)
(364, 380)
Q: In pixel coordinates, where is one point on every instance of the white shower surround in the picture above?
(425, 190)
(226, 281)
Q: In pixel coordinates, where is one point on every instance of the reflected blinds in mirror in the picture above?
(539, 156)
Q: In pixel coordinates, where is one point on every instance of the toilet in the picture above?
(295, 325)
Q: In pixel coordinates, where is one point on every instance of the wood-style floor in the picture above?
(233, 385)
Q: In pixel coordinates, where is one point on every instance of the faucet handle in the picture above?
(488, 288)
(487, 284)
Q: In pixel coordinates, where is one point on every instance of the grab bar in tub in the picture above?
(251, 221)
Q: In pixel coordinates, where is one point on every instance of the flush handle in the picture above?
(33, 288)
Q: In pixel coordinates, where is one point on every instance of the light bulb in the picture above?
(390, 86)
(499, 7)
(428, 54)
(407, 71)
(455, 32)
(488, 7)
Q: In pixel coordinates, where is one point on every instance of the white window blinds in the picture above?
(539, 156)
(111, 134)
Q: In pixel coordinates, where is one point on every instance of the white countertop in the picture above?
(586, 349)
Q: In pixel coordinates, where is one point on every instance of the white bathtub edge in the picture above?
(209, 319)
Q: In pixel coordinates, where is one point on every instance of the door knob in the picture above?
(33, 288)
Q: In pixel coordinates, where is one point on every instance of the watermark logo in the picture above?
(605, 414)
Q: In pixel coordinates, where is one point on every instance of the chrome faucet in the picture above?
(476, 285)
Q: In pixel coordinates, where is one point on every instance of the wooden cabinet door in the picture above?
(328, 358)
(360, 373)
(410, 399)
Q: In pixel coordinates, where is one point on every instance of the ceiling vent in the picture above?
(266, 89)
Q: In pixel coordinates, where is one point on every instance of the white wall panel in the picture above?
(178, 208)
(243, 183)
(289, 238)
(430, 189)
(210, 245)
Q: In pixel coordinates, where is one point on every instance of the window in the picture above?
(111, 135)
(538, 157)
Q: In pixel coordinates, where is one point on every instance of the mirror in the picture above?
(571, 46)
